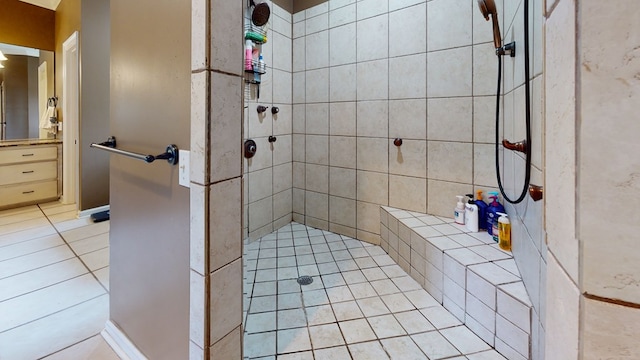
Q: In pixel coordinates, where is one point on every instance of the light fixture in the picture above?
(2, 57)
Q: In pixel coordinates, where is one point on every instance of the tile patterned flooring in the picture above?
(361, 304)
(54, 284)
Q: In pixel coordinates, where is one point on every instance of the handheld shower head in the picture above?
(488, 7)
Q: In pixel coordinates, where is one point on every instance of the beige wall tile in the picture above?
(408, 77)
(199, 35)
(342, 15)
(281, 58)
(342, 45)
(299, 116)
(317, 51)
(342, 83)
(226, 310)
(342, 118)
(440, 64)
(373, 28)
(408, 119)
(282, 202)
(299, 54)
(410, 159)
(226, 127)
(317, 178)
(260, 213)
(281, 87)
(342, 211)
(298, 147)
(485, 69)
(226, 28)
(281, 150)
(442, 30)
(317, 119)
(260, 184)
(373, 118)
(373, 187)
(609, 178)
(341, 229)
(484, 119)
(225, 223)
(342, 182)
(298, 202)
(317, 149)
(317, 205)
(342, 151)
(227, 347)
(317, 23)
(197, 311)
(450, 161)
(484, 173)
(560, 129)
(372, 154)
(610, 331)
(408, 193)
(441, 196)
(563, 317)
(282, 121)
(198, 205)
(299, 87)
(282, 177)
(366, 217)
(373, 80)
(406, 31)
(199, 141)
(317, 85)
(450, 119)
(299, 174)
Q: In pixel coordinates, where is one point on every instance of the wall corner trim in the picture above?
(120, 343)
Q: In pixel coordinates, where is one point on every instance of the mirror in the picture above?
(26, 84)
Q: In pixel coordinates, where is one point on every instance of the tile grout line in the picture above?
(74, 252)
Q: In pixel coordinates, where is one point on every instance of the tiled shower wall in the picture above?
(529, 240)
(268, 175)
(367, 72)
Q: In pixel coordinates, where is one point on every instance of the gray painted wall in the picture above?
(94, 103)
(149, 236)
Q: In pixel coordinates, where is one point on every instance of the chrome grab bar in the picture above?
(170, 154)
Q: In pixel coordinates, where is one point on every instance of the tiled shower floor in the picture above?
(361, 305)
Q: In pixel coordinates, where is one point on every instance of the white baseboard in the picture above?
(120, 343)
(88, 212)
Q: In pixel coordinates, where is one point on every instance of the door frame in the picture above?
(71, 119)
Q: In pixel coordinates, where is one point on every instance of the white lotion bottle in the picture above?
(471, 215)
(458, 212)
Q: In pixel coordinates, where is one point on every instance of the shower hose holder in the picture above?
(507, 49)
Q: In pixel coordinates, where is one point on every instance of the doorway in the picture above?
(70, 109)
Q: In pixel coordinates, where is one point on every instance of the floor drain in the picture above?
(305, 280)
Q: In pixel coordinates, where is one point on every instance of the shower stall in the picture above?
(367, 115)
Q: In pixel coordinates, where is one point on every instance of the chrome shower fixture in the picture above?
(488, 9)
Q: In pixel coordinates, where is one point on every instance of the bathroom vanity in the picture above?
(30, 171)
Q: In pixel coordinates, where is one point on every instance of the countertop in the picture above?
(22, 142)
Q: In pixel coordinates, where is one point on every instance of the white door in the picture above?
(70, 118)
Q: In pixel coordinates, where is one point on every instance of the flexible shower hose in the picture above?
(527, 176)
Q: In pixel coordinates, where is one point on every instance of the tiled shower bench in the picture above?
(466, 272)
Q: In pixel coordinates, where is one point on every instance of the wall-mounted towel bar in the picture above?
(171, 153)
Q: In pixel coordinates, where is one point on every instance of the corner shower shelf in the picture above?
(257, 68)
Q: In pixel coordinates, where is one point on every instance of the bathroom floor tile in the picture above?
(386, 326)
(328, 335)
(368, 351)
(355, 331)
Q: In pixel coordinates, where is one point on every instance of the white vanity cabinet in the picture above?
(28, 174)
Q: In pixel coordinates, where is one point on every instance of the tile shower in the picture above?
(349, 77)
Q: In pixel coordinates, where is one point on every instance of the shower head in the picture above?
(261, 13)
(488, 7)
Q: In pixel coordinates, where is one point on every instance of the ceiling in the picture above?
(47, 4)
